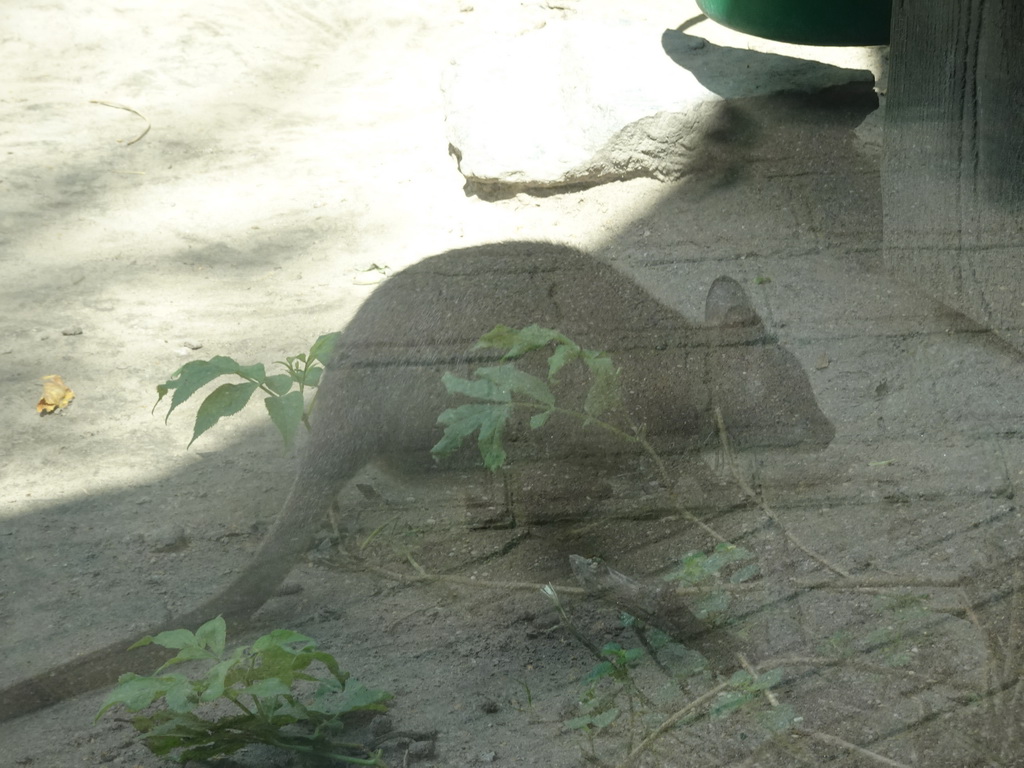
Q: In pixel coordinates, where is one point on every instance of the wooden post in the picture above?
(953, 173)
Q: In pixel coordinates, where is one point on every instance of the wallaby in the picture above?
(382, 393)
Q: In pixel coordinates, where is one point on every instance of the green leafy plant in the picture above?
(599, 711)
(611, 689)
(499, 389)
(744, 689)
(727, 563)
(616, 665)
(285, 392)
(249, 695)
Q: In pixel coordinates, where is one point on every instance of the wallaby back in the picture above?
(382, 394)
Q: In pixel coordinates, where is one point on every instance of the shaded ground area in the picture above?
(292, 146)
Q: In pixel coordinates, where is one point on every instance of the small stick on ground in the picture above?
(115, 105)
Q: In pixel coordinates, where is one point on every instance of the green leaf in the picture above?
(696, 567)
(301, 661)
(538, 420)
(604, 393)
(510, 380)
(478, 389)
(561, 357)
(777, 719)
(692, 569)
(716, 602)
(332, 665)
(495, 385)
(266, 689)
(579, 723)
(215, 679)
(728, 702)
(463, 421)
(225, 400)
(255, 372)
(519, 342)
(279, 384)
(191, 653)
(331, 702)
(312, 377)
(600, 720)
(460, 423)
(740, 679)
(286, 412)
(601, 670)
(323, 347)
(266, 675)
(683, 662)
(358, 698)
(213, 635)
(499, 337)
(181, 696)
(746, 573)
(491, 448)
(605, 719)
(135, 692)
(726, 554)
(174, 639)
(280, 637)
(766, 680)
(287, 709)
(656, 639)
(192, 377)
(632, 655)
(276, 661)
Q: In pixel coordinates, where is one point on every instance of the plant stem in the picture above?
(620, 433)
(671, 721)
(297, 746)
(637, 439)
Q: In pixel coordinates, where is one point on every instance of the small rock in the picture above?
(420, 749)
(381, 725)
(289, 588)
(489, 706)
(168, 539)
(71, 330)
(192, 344)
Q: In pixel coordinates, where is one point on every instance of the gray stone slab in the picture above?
(585, 102)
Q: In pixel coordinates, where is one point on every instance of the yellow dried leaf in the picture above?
(56, 395)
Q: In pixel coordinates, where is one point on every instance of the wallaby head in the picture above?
(382, 394)
(761, 389)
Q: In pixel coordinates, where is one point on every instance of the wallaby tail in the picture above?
(290, 536)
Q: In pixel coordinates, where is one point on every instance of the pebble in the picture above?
(166, 539)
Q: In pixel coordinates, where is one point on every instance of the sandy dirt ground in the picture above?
(292, 145)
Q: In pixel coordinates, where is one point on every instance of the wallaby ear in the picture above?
(728, 305)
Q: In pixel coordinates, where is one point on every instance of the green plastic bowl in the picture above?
(807, 22)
